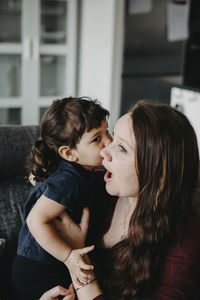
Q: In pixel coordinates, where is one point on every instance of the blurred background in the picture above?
(117, 51)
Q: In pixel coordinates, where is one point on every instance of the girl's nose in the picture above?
(108, 139)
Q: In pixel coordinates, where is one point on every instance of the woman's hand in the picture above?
(74, 234)
(59, 291)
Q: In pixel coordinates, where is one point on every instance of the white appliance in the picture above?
(188, 102)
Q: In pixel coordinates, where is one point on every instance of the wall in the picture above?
(101, 47)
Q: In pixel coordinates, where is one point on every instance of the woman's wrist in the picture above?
(89, 282)
(88, 291)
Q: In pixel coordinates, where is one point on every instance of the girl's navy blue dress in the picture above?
(35, 270)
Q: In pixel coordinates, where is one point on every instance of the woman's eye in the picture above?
(122, 149)
(97, 139)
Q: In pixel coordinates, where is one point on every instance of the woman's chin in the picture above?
(110, 190)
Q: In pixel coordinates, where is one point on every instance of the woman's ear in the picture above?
(67, 153)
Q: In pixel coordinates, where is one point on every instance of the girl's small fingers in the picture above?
(84, 277)
(78, 282)
(86, 250)
(85, 266)
(83, 280)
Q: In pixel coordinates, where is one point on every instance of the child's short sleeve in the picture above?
(65, 188)
(71, 189)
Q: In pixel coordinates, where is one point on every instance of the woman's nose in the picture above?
(105, 153)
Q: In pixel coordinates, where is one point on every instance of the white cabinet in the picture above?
(37, 57)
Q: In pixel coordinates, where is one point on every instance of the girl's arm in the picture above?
(65, 226)
(91, 290)
(40, 224)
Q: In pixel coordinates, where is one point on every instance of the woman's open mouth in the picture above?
(107, 176)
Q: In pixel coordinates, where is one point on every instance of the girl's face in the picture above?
(91, 143)
(119, 160)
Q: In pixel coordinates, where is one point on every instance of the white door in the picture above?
(37, 57)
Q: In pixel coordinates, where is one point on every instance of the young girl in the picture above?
(73, 132)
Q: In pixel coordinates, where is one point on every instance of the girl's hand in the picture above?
(71, 232)
(80, 271)
(59, 291)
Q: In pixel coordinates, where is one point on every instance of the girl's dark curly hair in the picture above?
(167, 164)
(63, 123)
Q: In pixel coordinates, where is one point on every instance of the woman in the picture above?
(150, 245)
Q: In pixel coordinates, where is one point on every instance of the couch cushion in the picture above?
(15, 145)
(12, 198)
(2, 245)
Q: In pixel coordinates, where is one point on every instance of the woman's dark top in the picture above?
(180, 276)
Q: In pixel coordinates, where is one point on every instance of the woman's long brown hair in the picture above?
(168, 173)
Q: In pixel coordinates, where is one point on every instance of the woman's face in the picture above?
(119, 160)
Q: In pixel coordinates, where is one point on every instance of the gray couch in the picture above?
(15, 144)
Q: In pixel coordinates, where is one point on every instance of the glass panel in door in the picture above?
(10, 75)
(11, 116)
(52, 75)
(53, 21)
(10, 21)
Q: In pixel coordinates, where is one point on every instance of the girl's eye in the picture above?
(97, 139)
(122, 149)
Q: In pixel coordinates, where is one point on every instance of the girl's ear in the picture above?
(67, 153)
